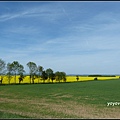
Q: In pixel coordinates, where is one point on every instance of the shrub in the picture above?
(95, 78)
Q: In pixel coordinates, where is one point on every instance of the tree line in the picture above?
(13, 69)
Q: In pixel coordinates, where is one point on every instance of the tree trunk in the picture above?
(30, 79)
(15, 78)
(33, 81)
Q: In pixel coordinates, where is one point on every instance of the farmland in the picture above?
(69, 79)
(62, 100)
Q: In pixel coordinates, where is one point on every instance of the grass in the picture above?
(60, 100)
(9, 115)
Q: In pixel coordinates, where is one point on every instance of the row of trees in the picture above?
(35, 72)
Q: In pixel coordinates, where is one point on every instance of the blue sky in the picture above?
(74, 37)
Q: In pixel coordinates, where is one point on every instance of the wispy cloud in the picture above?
(46, 12)
(70, 37)
(22, 30)
(8, 17)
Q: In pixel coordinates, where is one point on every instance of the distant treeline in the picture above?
(13, 69)
(101, 76)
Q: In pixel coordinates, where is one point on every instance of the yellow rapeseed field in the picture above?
(69, 79)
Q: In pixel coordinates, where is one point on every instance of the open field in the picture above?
(69, 79)
(61, 100)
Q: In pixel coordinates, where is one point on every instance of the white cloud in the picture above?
(8, 16)
(22, 30)
(42, 12)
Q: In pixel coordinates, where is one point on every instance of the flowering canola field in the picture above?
(69, 79)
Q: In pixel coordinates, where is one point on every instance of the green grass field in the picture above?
(61, 100)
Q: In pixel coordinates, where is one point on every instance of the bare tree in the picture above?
(40, 70)
(15, 68)
(32, 70)
(9, 72)
(2, 69)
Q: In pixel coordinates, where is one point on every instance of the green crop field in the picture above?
(61, 100)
